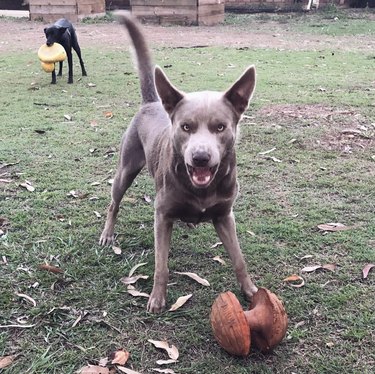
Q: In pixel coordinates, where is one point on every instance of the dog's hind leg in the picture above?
(60, 68)
(226, 229)
(76, 47)
(132, 160)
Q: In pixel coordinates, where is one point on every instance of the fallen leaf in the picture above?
(266, 152)
(91, 84)
(132, 291)
(93, 369)
(162, 344)
(330, 267)
(251, 232)
(310, 269)
(116, 250)
(51, 268)
(97, 214)
(119, 357)
(293, 278)
(366, 270)
(333, 227)
(28, 186)
(134, 268)
(274, 159)
(166, 362)
(166, 371)
(26, 297)
(216, 245)
(305, 257)
(5, 361)
(180, 302)
(126, 370)
(95, 183)
(68, 117)
(134, 279)
(196, 277)
(41, 132)
(219, 259)
(108, 115)
(147, 198)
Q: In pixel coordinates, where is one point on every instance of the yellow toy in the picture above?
(50, 55)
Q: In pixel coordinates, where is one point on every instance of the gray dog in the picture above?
(187, 142)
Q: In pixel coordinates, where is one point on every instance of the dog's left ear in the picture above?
(240, 93)
(170, 96)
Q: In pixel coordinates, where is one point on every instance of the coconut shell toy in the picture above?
(49, 55)
(264, 324)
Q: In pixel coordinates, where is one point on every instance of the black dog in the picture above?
(62, 32)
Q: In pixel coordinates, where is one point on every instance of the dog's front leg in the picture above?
(225, 227)
(163, 233)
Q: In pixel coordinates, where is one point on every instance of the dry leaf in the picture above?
(309, 269)
(266, 152)
(216, 245)
(252, 233)
(274, 159)
(28, 186)
(91, 84)
(171, 350)
(95, 183)
(67, 117)
(196, 277)
(116, 250)
(330, 267)
(333, 227)
(126, 370)
(219, 259)
(98, 215)
(147, 198)
(93, 369)
(5, 361)
(26, 297)
(108, 115)
(132, 291)
(119, 357)
(366, 270)
(134, 268)
(166, 362)
(51, 268)
(134, 279)
(305, 257)
(166, 371)
(293, 278)
(180, 302)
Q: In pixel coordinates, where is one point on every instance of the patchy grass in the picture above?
(304, 104)
(330, 21)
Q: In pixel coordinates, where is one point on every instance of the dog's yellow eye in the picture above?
(185, 127)
(220, 127)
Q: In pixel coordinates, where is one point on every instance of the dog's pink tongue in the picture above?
(201, 176)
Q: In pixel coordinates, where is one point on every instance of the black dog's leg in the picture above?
(76, 47)
(60, 68)
(53, 77)
(70, 66)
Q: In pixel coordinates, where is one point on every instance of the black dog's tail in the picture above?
(144, 60)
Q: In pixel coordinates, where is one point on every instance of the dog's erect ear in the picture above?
(240, 93)
(45, 30)
(169, 95)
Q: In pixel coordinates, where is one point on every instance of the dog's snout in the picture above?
(201, 158)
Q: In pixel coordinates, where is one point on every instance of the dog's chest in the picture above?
(196, 211)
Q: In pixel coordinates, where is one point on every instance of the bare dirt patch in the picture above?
(344, 130)
(21, 34)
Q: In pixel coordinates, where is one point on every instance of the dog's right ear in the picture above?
(45, 30)
(170, 96)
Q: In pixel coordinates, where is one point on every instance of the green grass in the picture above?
(324, 176)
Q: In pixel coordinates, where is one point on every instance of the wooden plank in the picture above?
(168, 3)
(208, 10)
(163, 11)
(53, 9)
(210, 2)
(50, 2)
(50, 18)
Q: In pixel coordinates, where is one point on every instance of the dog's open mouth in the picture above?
(201, 176)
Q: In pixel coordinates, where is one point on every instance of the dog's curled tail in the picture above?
(144, 60)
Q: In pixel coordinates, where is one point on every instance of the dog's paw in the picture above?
(106, 239)
(156, 304)
(248, 288)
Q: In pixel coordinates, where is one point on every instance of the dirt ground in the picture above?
(21, 34)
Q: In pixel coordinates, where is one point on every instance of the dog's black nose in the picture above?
(201, 158)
